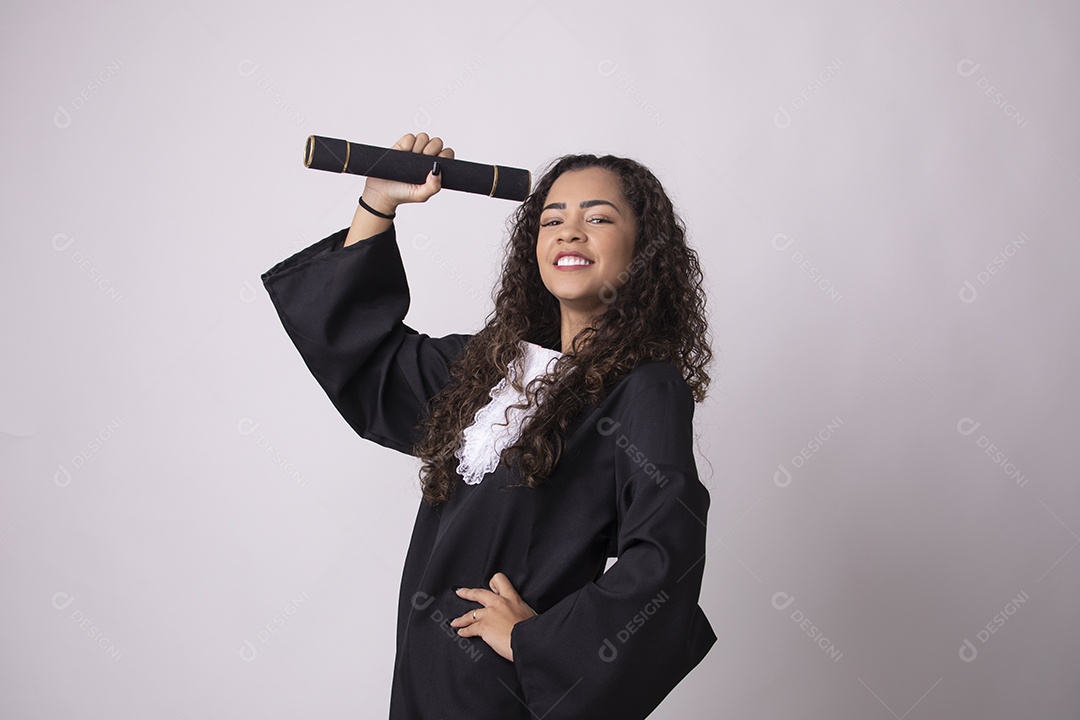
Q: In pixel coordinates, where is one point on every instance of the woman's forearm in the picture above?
(366, 224)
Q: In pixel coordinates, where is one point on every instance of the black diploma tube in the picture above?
(342, 156)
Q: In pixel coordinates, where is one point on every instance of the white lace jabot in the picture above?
(486, 438)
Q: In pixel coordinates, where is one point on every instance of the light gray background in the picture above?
(883, 196)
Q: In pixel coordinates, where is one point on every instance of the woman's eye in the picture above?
(594, 220)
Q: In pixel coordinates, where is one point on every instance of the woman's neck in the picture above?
(572, 323)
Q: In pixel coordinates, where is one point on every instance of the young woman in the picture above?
(556, 437)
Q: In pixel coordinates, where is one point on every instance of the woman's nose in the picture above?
(571, 229)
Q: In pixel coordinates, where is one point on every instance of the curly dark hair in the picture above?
(658, 313)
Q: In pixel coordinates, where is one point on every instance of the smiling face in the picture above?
(587, 222)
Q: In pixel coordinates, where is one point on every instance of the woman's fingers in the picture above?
(465, 620)
(501, 585)
(413, 143)
(421, 143)
(480, 595)
(433, 146)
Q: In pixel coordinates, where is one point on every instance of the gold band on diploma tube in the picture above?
(309, 151)
(494, 181)
(348, 151)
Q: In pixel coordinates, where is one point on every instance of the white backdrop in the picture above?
(883, 196)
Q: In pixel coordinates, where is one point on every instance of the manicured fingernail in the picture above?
(435, 169)
(455, 588)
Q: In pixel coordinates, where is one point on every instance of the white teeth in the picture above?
(572, 260)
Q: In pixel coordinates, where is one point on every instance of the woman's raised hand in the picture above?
(386, 195)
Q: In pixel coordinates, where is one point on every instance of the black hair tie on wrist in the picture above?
(373, 211)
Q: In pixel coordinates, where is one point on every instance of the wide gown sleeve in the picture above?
(344, 309)
(616, 647)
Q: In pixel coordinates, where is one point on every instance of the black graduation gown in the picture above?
(603, 644)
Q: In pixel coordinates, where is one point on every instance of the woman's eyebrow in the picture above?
(584, 204)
